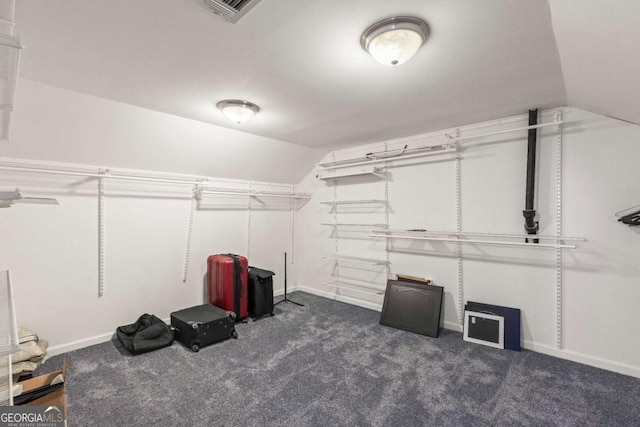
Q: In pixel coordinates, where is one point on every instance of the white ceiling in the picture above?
(301, 61)
(599, 43)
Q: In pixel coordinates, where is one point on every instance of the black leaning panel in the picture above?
(412, 307)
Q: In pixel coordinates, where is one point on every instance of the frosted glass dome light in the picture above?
(394, 41)
(237, 110)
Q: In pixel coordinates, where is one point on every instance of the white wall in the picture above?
(56, 124)
(601, 282)
(52, 251)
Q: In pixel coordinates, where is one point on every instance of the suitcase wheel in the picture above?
(272, 314)
(234, 335)
(195, 346)
(232, 316)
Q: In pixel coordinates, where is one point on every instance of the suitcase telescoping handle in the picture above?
(237, 271)
(237, 282)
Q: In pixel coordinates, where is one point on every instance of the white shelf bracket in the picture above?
(387, 243)
(249, 223)
(336, 266)
(197, 195)
(558, 118)
(292, 224)
(101, 235)
(459, 229)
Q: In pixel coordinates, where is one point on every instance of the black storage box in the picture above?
(260, 292)
(202, 325)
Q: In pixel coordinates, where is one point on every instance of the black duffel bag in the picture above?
(147, 334)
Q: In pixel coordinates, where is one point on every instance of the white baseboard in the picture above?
(108, 336)
(596, 362)
(76, 345)
(341, 298)
(585, 359)
(280, 292)
(573, 356)
(366, 304)
(453, 326)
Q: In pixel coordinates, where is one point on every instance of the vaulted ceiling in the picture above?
(599, 44)
(301, 61)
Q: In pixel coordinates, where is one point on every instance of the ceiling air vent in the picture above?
(230, 10)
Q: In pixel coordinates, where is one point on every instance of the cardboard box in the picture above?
(57, 397)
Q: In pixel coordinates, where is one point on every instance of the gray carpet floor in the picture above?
(330, 363)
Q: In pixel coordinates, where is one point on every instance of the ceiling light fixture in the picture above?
(394, 41)
(237, 110)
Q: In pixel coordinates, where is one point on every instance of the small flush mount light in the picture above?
(394, 41)
(237, 110)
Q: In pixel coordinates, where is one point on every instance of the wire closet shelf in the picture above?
(203, 185)
(491, 239)
(453, 143)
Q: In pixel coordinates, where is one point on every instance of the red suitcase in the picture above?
(228, 278)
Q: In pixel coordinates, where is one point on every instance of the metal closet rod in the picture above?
(361, 260)
(435, 149)
(479, 242)
(254, 194)
(462, 233)
(85, 170)
(428, 150)
(499, 132)
(149, 179)
(354, 202)
(344, 224)
(100, 175)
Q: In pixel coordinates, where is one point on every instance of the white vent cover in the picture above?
(9, 57)
(230, 10)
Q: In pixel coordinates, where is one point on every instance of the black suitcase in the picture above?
(202, 325)
(260, 292)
